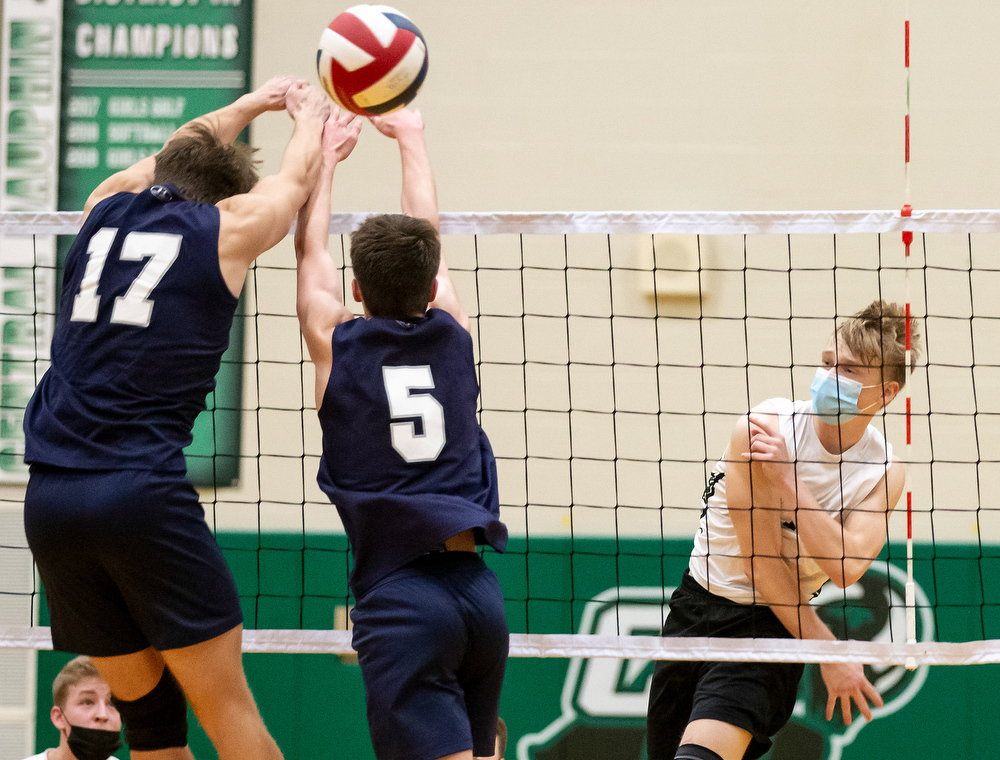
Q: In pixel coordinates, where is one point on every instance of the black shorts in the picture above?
(432, 644)
(127, 561)
(756, 696)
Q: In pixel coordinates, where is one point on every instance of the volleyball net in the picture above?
(615, 352)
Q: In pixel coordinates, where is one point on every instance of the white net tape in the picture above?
(620, 222)
(618, 647)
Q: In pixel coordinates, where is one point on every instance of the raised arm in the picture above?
(419, 196)
(757, 461)
(226, 122)
(319, 295)
(253, 222)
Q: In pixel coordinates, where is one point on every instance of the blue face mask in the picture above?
(835, 398)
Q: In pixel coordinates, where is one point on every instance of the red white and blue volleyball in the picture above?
(372, 59)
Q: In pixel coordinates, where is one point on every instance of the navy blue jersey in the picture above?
(144, 319)
(404, 458)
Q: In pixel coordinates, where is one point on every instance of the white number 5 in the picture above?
(399, 381)
(135, 307)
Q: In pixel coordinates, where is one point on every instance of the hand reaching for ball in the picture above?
(340, 135)
(398, 122)
(271, 95)
(304, 100)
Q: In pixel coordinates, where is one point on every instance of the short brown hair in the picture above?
(71, 674)
(876, 335)
(501, 738)
(204, 168)
(395, 259)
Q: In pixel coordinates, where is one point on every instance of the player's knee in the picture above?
(696, 752)
(157, 720)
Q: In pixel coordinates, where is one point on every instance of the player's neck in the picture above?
(839, 438)
(62, 752)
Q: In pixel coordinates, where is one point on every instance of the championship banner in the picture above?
(29, 133)
(133, 72)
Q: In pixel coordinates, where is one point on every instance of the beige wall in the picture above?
(679, 104)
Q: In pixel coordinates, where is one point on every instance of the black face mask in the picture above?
(93, 743)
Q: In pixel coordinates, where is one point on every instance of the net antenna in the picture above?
(907, 212)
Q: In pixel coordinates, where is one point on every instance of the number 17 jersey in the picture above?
(144, 318)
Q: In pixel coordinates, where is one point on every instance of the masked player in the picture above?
(801, 496)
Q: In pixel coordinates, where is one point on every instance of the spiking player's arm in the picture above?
(319, 294)
(419, 196)
(253, 222)
(757, 461)
(226, 122)
(842, 544)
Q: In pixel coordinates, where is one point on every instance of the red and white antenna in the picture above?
(907, 211)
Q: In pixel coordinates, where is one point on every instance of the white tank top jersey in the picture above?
(835, 480)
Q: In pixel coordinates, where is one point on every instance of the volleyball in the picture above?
(372, 59)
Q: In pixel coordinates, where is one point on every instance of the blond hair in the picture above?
(71, 674)
(876, 336)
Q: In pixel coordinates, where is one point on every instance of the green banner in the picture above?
(594, 709)
(133, 72)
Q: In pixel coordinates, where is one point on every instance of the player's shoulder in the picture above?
(772, 407)
(445, 322)
(111, 202)
(43, 755)
(778, 405)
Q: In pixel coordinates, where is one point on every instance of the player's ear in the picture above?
(58, 719)
(434, 291)
(356, 291)
(889, 391)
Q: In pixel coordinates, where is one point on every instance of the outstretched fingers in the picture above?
(340, 134)
(861, 694)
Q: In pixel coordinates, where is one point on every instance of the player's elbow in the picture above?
(852, 573)
(840, 580)
(847, 572)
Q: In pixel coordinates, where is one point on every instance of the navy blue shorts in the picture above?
(127, 561)
(432, 644)
(756, 696)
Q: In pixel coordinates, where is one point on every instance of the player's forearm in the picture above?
(419, 197)
(776, 584)
(303, 159)
(312, 232)
(837, 552)
(227, 122)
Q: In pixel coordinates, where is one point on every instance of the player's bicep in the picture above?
(255, 222)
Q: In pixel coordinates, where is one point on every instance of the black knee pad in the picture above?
(157, 720)
(695, 752)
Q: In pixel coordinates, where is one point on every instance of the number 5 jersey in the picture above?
(144, 318)
(404, 458)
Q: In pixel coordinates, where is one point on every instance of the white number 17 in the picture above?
(135, 307)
